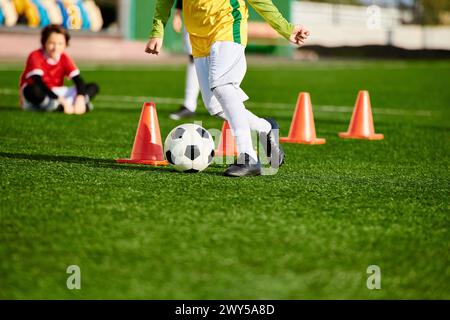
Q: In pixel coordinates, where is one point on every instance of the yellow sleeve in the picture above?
(162, 14)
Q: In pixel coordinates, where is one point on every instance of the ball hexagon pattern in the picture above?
(189, 148)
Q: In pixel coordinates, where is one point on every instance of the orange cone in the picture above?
(147, 147)
(302, 127)
(361, 124)
(227, 143)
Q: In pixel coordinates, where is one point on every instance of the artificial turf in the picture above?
(308, 232)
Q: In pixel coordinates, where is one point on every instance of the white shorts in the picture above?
(225, 64)
(69, 93)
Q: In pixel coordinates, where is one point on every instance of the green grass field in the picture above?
(309, 232)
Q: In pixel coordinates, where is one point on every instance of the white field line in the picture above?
(88, 67)
(265, 105)
(258, 66)
(262, 105)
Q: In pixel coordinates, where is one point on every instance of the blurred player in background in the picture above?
(42, 82)
(192, 88)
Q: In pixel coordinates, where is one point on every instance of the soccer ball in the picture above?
(189, 148)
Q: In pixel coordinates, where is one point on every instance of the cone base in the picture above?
(146, 162)
(347, 135)
(315, 141)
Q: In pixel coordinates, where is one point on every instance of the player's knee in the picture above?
(92, 89)
(222, 90)
(34, 94)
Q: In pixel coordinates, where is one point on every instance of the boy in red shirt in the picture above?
(42, 82)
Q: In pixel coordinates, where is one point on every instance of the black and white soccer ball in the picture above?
(189, 148)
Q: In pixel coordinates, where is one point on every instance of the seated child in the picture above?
(42, 82)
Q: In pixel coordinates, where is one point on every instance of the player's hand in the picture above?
(68, 108)
(299, 35)
(79, 105)
(177, 23)
(154, 46)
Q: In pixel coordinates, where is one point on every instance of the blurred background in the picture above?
(116, 29)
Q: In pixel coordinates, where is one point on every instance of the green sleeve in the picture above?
(162, 14)
(270, 13)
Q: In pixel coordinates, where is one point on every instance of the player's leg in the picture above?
(211, 103)
(236, 75)
(227, 68)
(245, 165)
(36, 99)
(234, 110)
(70, 94)
(223, 73)
(215, 108)
(34, 94)
(268, 129)
(187, 109)
(192, 88)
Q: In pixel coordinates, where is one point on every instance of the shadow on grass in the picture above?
(435, 128)
(123, 166)
(93, 162)
(103, 163)
(51, 158)
(10, 108)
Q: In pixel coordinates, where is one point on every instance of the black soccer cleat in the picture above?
(182, 113)
(271, 144)
(244, 166)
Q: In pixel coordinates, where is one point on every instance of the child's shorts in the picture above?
(69, 93)
(225, 64)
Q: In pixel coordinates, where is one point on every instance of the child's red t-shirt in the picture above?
(51, 71)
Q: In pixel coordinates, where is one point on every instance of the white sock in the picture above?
(258, 124)
(235, 112)
(192, 88)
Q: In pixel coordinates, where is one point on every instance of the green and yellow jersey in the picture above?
(208, 21)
